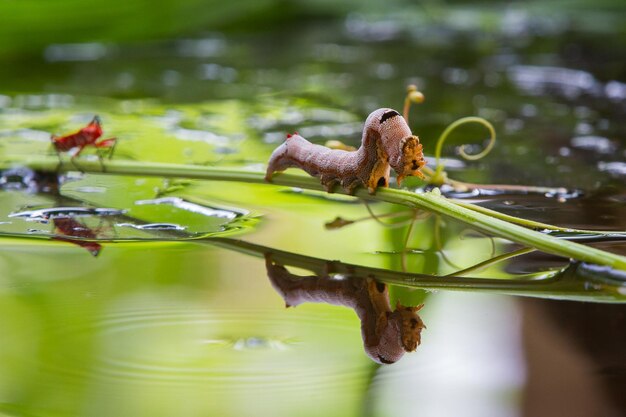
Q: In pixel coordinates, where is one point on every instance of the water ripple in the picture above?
(227, 349)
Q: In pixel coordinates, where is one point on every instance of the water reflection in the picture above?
(72, 228)
(79, 219)
(387, 334)
(73, 210)
(576, 281)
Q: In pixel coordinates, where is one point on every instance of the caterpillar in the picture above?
(387, 142)
(387, 334)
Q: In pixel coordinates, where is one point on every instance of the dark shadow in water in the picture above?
(387, 334)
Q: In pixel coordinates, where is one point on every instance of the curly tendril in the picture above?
(439, 177)
(492, 140)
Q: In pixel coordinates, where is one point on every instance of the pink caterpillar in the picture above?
(387, 143)
(387, 334)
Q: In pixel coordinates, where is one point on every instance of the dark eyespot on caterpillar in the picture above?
(388, 115)
(387, 142)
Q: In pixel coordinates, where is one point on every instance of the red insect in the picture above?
(87, 136)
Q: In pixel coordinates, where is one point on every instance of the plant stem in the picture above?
(431, 201)
(524, 222)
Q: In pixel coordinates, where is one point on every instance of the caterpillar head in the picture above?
(403, 148)
(411, 159)
(401, 334)
(410, 325)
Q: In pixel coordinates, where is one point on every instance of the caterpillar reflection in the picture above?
(387, 333)
(387, 143)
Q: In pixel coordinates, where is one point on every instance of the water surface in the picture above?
(135, 296)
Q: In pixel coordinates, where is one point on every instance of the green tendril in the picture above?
(439, 174)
